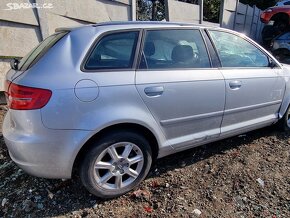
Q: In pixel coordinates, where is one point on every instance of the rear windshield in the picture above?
(35, 54)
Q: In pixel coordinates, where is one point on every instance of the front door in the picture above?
(254, 90)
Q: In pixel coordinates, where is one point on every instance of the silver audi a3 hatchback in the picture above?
(108, 99)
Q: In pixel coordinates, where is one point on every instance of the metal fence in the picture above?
(233, 15)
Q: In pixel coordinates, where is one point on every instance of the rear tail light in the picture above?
(26, 98)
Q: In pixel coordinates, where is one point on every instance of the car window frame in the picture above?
(99, 38)
(144, 32)
(57, 37)
(216, 62)
(270, 59)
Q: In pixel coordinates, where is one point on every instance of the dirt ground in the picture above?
(245, 176)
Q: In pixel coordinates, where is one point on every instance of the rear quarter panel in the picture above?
(59, 70)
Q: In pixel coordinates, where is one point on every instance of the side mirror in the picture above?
(272, 64)
(14, 64)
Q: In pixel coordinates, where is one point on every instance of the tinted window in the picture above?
(174, 49)
(287, 3)
(35, 54)
(114, 51)
(234, 51)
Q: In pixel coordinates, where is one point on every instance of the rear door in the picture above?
(179, 86)
(254, 90)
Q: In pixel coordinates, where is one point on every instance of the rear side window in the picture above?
(234, 51)
(35, 54)
(167, 49)
(113, 51)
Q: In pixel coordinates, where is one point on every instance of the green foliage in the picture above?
(9, 57)
(155, 9)
(262, 4)
(211, 10)
(150, 10)
(144, 10)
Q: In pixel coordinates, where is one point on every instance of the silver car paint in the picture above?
(190, 109)
(58, 131)
(257, 99)
(40, 151)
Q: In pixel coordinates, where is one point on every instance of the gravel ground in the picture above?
(244, 176)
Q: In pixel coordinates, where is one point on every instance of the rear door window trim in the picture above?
(145, 30)
(25, 67)
(99, 38)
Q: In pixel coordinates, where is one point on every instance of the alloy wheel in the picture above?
(118, 165)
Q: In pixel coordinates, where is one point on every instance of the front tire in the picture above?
(116, 164)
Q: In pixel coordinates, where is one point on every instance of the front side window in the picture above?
(165, 49)
(235, 51)
(113, 51)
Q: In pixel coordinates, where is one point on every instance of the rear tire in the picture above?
(116, 164)
(268, 33)
(282, 26)
(281, 55)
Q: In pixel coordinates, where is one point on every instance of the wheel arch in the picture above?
(134, 127)
(281, 16)
(280, 53)
(284, 106)
(286, 99)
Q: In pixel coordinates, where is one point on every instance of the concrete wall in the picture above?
(4, 67)
(22, 29)
(17, 27)
(242, 18)
(182, 12)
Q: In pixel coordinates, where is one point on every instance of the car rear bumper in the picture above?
(38, 150)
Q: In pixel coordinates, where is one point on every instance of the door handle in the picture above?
(154, 91)
(235, 84)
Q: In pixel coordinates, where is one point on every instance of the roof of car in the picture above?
(136, 24)
(144, 23)
(148, 24)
